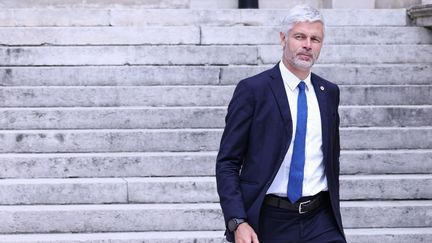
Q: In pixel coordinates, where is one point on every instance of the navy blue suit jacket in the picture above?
(256, 138)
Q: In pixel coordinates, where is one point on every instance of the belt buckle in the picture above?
(301, 205)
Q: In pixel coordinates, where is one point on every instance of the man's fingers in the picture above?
(255, 238)
(245, 234)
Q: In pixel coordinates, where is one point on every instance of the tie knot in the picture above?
(302, 85)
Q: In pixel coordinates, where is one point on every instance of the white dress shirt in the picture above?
(314, 177)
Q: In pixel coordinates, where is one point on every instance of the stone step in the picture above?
(116, 96)
(183, 140)
(128, 55)
(190, 164)
(94, 4)
(346, 35)
(389, 235)
(188, 189)
(367, 235)
(385, 187)
(147, 35)
(203, 189)
(206, 35)
(152, 217)
(365, 54)
(343, 74)
(204, 55)
(185, 17)
(115, 75)
(130, 237)
(375, 116)
(386, 138)
(64, 191)
(385, 95)
(206, 95)
(407, 74)
(189, 117)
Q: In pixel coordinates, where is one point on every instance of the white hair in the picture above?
(300, 13)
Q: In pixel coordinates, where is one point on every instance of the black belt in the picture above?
(304, 205)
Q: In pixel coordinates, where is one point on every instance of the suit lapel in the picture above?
(278, 89)
(322, 97)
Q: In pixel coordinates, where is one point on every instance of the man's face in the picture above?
(302, 45)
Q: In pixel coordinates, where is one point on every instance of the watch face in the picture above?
(232, 225)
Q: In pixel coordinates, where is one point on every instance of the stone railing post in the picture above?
(422, 14)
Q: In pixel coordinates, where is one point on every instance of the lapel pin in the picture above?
(322, 88)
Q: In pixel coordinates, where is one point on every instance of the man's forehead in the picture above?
(316, 28)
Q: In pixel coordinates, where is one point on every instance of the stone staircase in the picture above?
(111, 119)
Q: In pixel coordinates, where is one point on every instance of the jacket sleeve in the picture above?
(233, 150)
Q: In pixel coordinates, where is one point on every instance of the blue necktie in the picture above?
(296, 174)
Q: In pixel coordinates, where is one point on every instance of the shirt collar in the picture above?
(291, 80)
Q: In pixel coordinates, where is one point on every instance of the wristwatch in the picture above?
(234, 223)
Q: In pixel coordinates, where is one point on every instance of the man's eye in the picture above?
(298, 37)
(316, 40)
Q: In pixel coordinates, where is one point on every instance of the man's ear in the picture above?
(282, 38)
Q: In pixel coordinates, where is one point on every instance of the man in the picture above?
(277, 168)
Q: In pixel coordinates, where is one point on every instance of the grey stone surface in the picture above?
(120, 117)
(353, 4)
(121, 154)
(190, 117)
(392, 17)
(386, 4)
(127, 55)
(386, 214)
(421, 15)
(54, 17)
(100, 35)
(334, 35)
(355, 17)
(128, 237)
(109, 76)
(400, 161)
(385, 187)
(389, 235)
(94, 3)
(182, 55)
(108, 165)
(152, 217)
(63, 191)
(386, 138)
(391, 116)
(383, 74)
(159, 140)
(190, 164)
(182, 17)
(281, 4)
(386, 95)
(395, 235)
(359, 54)
(106, 218)
(128, 140)
(203, 189)
(205, 95)
(367, 235)
(345, 74)
(172, 190)
(116, 96)
(379, 74)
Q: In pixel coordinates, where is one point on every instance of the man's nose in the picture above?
(307, 43)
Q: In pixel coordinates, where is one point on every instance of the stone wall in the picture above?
(211, 4)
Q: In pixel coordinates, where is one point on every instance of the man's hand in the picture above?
(245, 234)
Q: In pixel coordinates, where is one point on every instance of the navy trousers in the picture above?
(284, 226)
